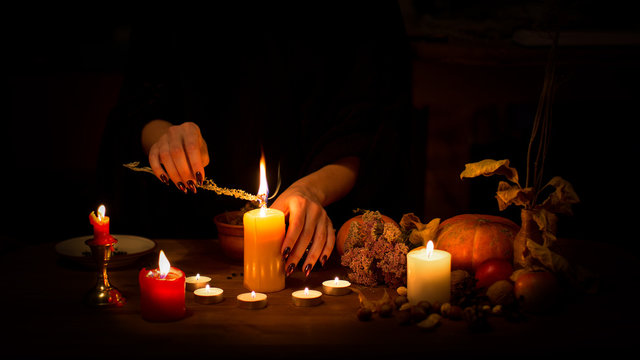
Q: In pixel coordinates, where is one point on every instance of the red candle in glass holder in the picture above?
(100, 224)
(162, 292)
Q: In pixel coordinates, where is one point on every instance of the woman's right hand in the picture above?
(176, 152)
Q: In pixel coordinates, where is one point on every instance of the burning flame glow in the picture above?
(101, 211)
(163, 264)
(207, 288)
(198, 278)
(336, 280)
(253, 294)
(263, 190)
(429, 249)
(306, 291)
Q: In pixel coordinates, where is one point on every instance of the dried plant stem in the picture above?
(542, 125)
(207, 184)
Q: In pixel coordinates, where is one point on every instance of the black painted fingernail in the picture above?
(323, 260)
(180, 186)
(199, 178)
(307, 270)
(164, 179)
(192, 186)
(285, 254)
(290, 268)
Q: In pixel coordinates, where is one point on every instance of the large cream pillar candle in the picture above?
(428, 275)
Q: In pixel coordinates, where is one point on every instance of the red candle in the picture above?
(162, 292)
(100, 224)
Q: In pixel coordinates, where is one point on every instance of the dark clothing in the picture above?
(308, 85)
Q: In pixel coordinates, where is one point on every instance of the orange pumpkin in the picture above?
(473, 238)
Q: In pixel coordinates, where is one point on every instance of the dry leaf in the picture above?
(508, 194)
(578, 276)
(548, 224)
(489, 167)
(420, 233)
(364, 302)
(562, 198)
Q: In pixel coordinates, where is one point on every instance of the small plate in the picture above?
(127, 250)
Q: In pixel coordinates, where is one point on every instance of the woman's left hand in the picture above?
(308, 224)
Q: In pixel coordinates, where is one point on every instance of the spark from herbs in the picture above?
(375, 252)
(207, 184)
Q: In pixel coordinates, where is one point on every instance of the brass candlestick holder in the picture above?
(103, 294)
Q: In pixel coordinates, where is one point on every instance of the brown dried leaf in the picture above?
(364, 302)
(578, 276)
(562, 198)
(508, 194)
(410, 221)
(489, 167)
(548, 224)
(424, 232)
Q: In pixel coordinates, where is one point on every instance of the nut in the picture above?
(430, 322)
(445, 309)
(402, 291)
(400, 300)
(501, 293)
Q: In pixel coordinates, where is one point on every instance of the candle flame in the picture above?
(101, 211)
(207, 288)
(306, 291)
(253, 294)
(336, 280)
(263, 190)
(163, 264)
(429, 249)
(198, 277)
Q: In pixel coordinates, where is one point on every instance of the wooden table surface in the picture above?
(42, 301)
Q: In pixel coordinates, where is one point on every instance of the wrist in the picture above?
(152, 131)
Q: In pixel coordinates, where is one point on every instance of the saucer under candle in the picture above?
(336, 287)
(306, 297)
(252, 300)
(208, 295)
(197, 282)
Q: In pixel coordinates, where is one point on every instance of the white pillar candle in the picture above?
(208, 295)
(252, 300)
(428, 275)
(306, 297)
(197, 282)
(336, 287)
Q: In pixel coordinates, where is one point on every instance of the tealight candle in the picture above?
(197, 282)
(252, 300)
(428, 275)
(162, 292)
(306, 297)
(336, 287)
(208, 295)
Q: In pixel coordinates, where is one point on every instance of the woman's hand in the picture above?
(176, 152)
(303, 204)
(308, 224)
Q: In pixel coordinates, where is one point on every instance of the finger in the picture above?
(302, 242)
(179, 158)
(156, 166)
(170, 167)
(329, 245)
(296, 223)
(319, 239)
(192, 149)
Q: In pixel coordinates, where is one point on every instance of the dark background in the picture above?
(478, 69)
